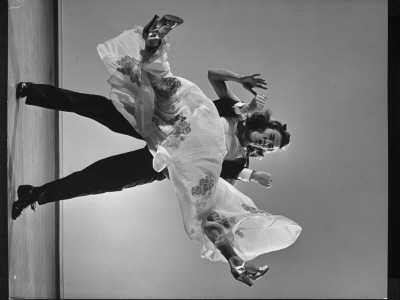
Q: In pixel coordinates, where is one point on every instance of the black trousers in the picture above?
(110, 174)
(95, 107)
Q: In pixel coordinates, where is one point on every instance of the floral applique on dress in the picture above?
(164, 87)
(177, 128)
(203, 191)
(131, 67)
(253, 209)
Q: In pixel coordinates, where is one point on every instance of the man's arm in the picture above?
(229, 108)
(233, 170)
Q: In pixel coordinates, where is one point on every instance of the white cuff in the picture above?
(245, 174)
(238, 110)
(239, 104)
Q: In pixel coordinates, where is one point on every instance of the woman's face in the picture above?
(270, 139)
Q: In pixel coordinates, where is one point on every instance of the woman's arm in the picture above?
(217, 79)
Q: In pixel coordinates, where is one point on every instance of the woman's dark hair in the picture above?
(260, 121)
(281, 128)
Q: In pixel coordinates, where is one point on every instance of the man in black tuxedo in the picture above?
(120, 171)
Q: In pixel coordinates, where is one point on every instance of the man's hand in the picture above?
(256, 104)
(262, 178)
(250, 82)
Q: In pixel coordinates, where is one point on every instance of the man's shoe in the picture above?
(22, 90)
(25, 199)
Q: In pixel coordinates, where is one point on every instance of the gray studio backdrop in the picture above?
(325, 65)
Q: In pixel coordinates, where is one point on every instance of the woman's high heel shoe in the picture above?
(149, 27)
(254, 272)
(166, 24)
(156, 29)
(239, 272)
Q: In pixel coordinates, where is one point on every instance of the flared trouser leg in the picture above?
(106, 175)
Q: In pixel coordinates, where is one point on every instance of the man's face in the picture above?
(270, 139)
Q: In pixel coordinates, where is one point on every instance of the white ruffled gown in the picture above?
(184, 133)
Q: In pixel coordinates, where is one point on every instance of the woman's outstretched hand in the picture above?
(250, 82)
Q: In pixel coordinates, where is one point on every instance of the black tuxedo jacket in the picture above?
(230, 168)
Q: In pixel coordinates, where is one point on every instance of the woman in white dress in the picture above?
(184, 133)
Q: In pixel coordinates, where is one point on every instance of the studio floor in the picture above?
(32, 156)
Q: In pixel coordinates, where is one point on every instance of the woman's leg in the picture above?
(240, 269)
(215, 233)
(95, 107)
